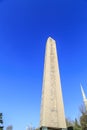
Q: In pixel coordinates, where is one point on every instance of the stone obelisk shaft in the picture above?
(52, 108)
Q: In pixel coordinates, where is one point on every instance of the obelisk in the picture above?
(52, 108)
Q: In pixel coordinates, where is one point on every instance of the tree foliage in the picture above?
(1, 122)
(75, 124)
(83, 118)
(69, 123)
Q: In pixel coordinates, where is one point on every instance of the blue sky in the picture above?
(24, 29)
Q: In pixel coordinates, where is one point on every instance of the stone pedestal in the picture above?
(44, 128)
(48, 128)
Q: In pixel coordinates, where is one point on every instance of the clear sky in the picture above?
(25, 26)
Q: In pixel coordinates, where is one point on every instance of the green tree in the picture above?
(1, 122)
(69, 123)
(83, 118)
(76, 125)
(83, 122)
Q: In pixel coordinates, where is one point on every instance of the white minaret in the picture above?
(52, 107)
(84, 97)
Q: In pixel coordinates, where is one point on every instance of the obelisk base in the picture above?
(44, 128)
(49, 128)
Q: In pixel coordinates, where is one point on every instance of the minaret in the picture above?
(52, 107)
(84, 98)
